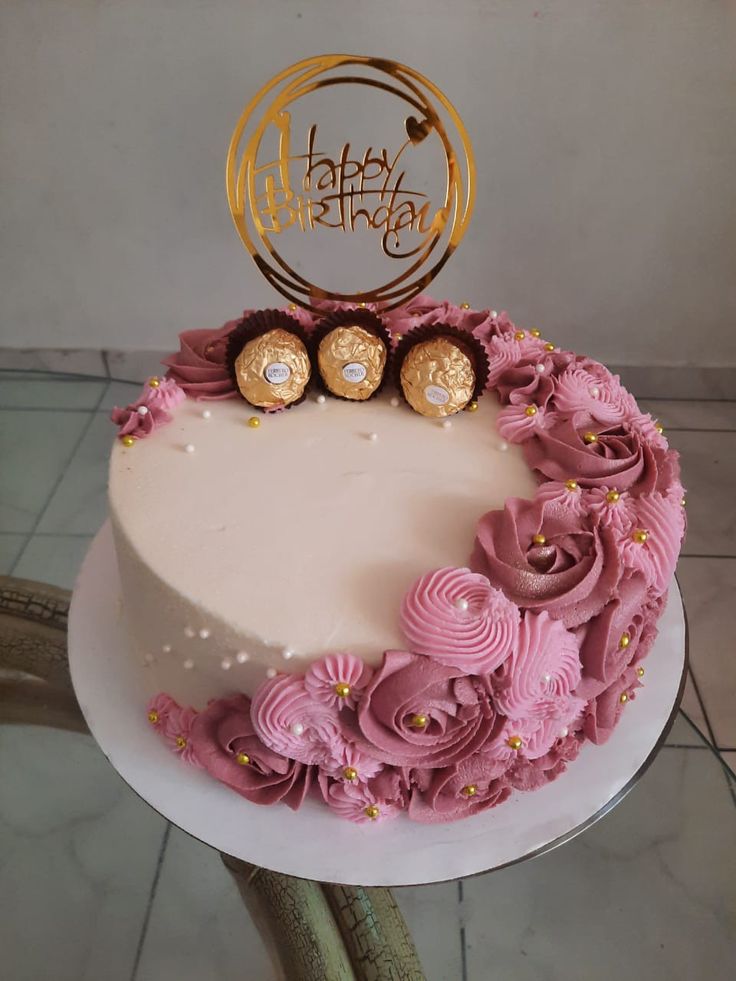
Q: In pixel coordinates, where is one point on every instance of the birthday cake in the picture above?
(387, 605)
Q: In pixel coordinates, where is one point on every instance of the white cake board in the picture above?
(312, 842)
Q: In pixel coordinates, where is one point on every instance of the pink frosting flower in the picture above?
(571, 573)
(607, 509)
(365, 803)
(150, 410)
(524, 382)
(618, 457)
(516, 425)
(199, 365)
(226, 745)
(349, 757)
(326, 680)
(554, 493)
(455, 792)
(456, 617)
(603, 713)
(291, 722)
(528, 774)
(417, 712)
(174, 722)
(591, 394)
(663, 522)
(503, 353)
(542, 670)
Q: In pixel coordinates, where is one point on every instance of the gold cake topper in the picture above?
(285, 182)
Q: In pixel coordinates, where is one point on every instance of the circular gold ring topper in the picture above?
(286, 182)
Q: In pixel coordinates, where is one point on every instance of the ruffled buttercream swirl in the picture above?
(291, 722)
(337, 680)
(656, 557)
(455, 792)
(199, 365)
(458, 619)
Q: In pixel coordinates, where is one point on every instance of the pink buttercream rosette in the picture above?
(150, 410)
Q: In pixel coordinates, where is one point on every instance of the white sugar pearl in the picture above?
(148, 658)
(446, 424)
(189, 448)
(540, 369)
(142, 410)
(321, 399)
(395, 402)
(288, 654)
(297, 729)
(564, 732)
(494, 313)
(226, 663)
(188, 632)
(595, 391)
(373, 437)
(188, 664)
(548, 677)
(462, 604)
(206, 414)
(271, 673)
(242, 657)
(166, 648)
(204, 633)
(503, 446)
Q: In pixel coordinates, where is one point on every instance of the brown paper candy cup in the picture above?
(351, 350)
(269, 360)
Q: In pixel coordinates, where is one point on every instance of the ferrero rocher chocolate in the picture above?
(351, 361)
(273, 369)
(437, 377)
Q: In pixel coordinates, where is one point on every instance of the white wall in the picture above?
(605, 134)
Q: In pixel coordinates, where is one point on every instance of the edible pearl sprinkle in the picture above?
(540, 369)
(373, 437)
(494, 313)
(189, 448)
(271, 673)
(188, 664)
(142, 410)
(297, 729)
(462, 604)
(595, 391)
(395, 402)
(166, 648)
(321, 399)
(206, 414)
(446, 424)
(564, 733)
(188, 632)
(204, 633)
(288, 654)
(503, 446)
(226, 663)
(547, 677)
(242, 657)
(148, 658)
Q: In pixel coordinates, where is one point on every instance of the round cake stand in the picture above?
(312, 843)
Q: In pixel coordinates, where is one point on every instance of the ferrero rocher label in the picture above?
(273, 369)
(437, 377)
(351, 361)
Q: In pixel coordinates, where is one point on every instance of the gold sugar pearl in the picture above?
(471, 406)
(624, 642)
(590, 438)
(640, 536)
(640, 671)
(362, 304)
(153, 717)
(464, 306)
(535, 333)
(127, 441)
(372, 812)
(418, 721)
(470, 790)
(181, 742)
(623, 698)
(154, 382)
(519, 335)
(242, 759)
(683, 502)
(350, 773)
(342, 689)
(571, 485)
(530, 410)
(659, 427)
(515, 742)
(397, 337)
(292, 307)
(539, 539)
(254, 422)
(549, 347)
(613, 497)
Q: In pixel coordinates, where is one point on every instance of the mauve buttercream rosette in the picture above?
(199, 366)
(351, 350)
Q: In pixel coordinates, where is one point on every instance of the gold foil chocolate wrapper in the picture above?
(273, 369)
(437, 377)
(351, 361)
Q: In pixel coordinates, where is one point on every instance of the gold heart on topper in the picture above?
(417, 131)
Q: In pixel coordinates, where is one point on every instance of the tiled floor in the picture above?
(94, 885)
